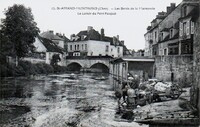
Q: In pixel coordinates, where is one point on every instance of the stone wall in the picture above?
(196, 64)
(180, 66)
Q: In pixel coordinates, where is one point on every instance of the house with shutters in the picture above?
(189, 14)
(92, 43)
(171, 32)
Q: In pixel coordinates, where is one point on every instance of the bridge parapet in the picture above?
(89, 62)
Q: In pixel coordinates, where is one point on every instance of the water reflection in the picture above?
(57, 100)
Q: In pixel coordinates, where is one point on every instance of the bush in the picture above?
(49, 68)
(59, 69)
(4, 70)
(26, 68)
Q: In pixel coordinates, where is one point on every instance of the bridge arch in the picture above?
(74, 66)
(100, 67)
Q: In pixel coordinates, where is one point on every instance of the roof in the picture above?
(50, 35)
(50, 45)
(95, 35)
(162, 20)
(193, 13)
(91, 35)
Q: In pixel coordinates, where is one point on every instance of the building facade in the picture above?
(45, 49)
(169, 40)
(92, 43)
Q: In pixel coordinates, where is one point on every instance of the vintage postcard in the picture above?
(99, 63)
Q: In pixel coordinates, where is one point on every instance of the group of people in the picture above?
(128, 93)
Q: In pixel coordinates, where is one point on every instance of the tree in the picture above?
(55, 59)
(20, 30)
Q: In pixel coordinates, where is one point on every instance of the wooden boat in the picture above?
(100, 78)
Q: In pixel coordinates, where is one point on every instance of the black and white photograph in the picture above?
(99, 63)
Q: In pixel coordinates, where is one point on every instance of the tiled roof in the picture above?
(50, 45)
(95, 35)
(82, 33)
(50, 35)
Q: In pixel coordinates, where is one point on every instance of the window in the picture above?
(162, 36)
(184, 11)
(77, 47)
(118, 49)
(70, 47)
(85, 46)
(173, 50)
(192, 27)
(107, 48)
(82, 47)
(171, 33)
(180, 29)
(188, 27)
(155, 35)
(165, 51)
(184, 28)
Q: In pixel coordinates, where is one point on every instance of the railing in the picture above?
(89, 57)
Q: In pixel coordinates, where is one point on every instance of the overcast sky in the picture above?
(130, 25)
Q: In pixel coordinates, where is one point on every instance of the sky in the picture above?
(129, 18)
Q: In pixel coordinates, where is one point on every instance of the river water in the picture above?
(57, 101)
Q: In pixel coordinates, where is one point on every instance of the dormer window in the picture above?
(184, 11)
(162, 36)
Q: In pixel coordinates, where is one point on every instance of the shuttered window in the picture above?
(188, 27)
(180, 29)
(192, 27)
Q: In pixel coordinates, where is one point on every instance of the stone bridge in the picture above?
(93, 64)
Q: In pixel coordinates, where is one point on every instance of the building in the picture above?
(189, 15)
(171, 32)
(45, 49)
(59, 39)
(169, 40)
(92, 43)
(140, 66)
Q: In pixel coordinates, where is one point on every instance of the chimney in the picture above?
(122, 42)
(168, 10)
(114, 41)
(72, 37)
(51, 31)
(173, 6)
(117, 37)
(89, 28)
(102, 34)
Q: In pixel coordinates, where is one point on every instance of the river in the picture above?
(57, 101)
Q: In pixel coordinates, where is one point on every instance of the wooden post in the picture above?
(118, 72)
(126, 70)
(122, 72)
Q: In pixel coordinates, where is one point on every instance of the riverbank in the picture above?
(172, 112)
(26, 68)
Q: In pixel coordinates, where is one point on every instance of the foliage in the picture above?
(25, 68)
(18, 30)
(55, 59)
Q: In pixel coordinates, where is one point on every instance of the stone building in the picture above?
(169, 40)
(59, 39)
(196, 64)
(45, 49)
(92, 43)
